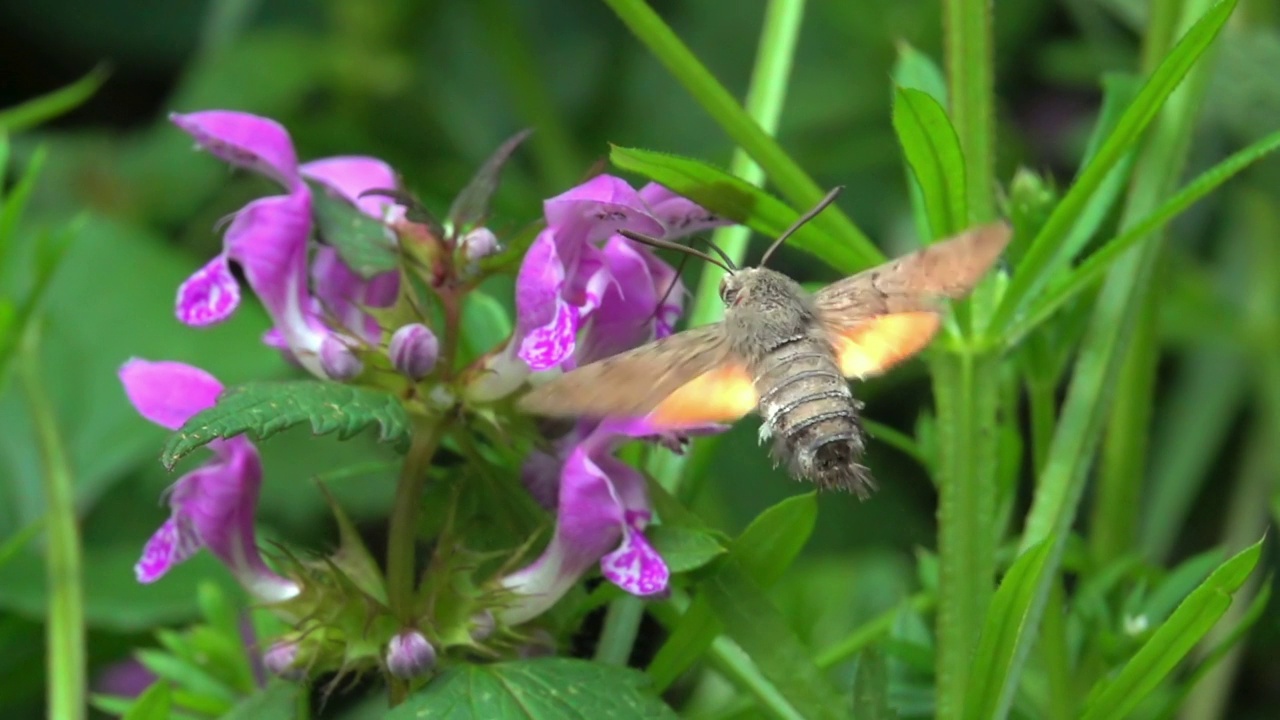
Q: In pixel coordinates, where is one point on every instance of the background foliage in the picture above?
(1168, 370)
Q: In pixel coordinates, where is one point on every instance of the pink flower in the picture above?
(212, 506)
(268, 240)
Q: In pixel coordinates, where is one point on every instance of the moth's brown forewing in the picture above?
(867, 323)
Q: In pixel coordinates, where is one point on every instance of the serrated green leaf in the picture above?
(153, 704)
(262, 409)
(50, 105)
(933, 152)
(472, 204)
(541, 689)
(871, 688)
(684, 548)
(740, 201)
(365, 243)
(1116, 696)
(1007, 636)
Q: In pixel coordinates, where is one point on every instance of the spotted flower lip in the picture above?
(212, 506)
(268, 240)
(565, 276)
(602, 510)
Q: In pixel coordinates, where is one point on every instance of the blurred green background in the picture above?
(433, 87)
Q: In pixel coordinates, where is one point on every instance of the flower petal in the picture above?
(547, 346)
(592, 212)
(679, 215)
(168, 393)
(209, 296)
(628, 306)
(244, 140)
(352, 175)
(635, 566)
(173, 543)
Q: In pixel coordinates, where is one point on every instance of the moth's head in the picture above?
(756, 285)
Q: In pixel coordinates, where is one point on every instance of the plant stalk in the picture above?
(65, 633)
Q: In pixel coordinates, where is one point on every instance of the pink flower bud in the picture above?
(409, 655)
(479, 243)
(414, 350)
(279, 659)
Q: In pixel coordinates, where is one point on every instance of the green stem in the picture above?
(65, 634)
(745, 130)
(403, 533)
(871, 631)
(967, 406)
(765, 99)
(764, 103)
(971, 88)
(621, 622)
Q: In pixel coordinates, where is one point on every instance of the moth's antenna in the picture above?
(822, 205)
(725, 263)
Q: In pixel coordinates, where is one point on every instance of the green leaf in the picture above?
(782, 171)
(933, 151)
(1007, 636)
(762, 552)
(365, 243)
(1046, 251)
(352, 556)
(471, 207)
(740, 201)
(263, 409)
(774, 539)
(871, 688)
(277, 701)
(186, 674)
(13, 545)
(1118, 695)
(915, 69)
(1089, 272)
(50, 105)
(761, 630)
(684, 548)
(154, 704)
(541, 689)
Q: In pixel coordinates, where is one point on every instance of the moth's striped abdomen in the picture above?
(811, 415)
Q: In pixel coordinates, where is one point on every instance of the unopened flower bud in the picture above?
(279, 659)
(338, 361)
(479, 243)
(409, 655)
(540, 644)
(414, 350)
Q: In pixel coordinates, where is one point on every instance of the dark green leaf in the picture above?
(50, 105)
(277, 701)
(471, 207)
(263, 409)
(1116, 696)
(740, 201)
(541, 689)
(774, 539)
(933, 152)
(1007, 636)
(763, 551)
(365, 243)
(761, 630)
(871, 687)
(154, 704)
(684, 548)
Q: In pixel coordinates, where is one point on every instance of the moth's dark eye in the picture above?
(728, 293)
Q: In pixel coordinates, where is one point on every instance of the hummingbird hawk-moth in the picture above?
(784, 353)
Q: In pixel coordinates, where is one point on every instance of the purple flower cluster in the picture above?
(583, 292)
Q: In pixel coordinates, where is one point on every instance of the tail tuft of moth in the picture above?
(833, 465)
